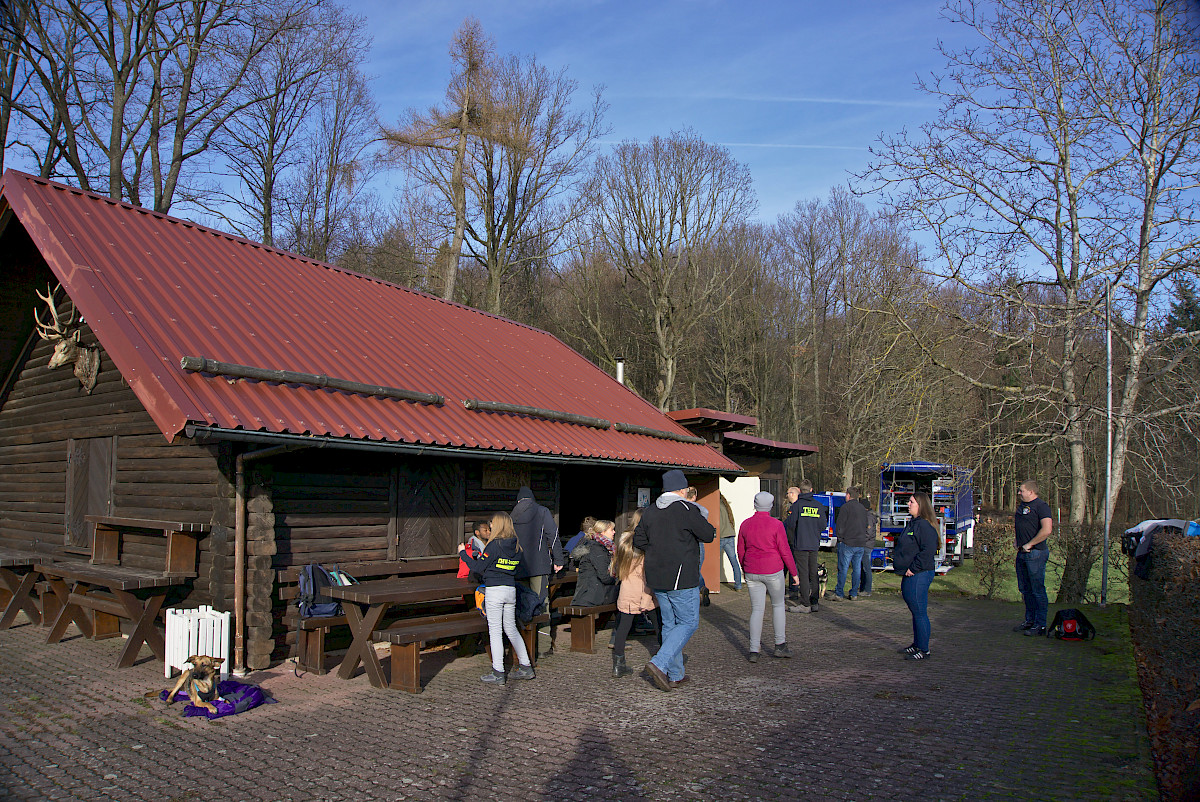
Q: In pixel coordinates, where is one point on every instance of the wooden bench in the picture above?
(584, 622)
(123, 583)
(18, 576)
(309, 634)
(407, 635)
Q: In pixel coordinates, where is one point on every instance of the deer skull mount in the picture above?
(65, 336)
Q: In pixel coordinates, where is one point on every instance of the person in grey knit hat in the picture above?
(764, 552)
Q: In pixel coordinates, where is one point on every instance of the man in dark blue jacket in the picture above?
(805, 521)
(670, 534)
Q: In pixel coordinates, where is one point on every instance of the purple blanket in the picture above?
(236, 697)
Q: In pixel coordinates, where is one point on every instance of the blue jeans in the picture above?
(1031, 581)
(849, 561)
(729, 546)
(915, 590)
(868, 576)
(680, 619)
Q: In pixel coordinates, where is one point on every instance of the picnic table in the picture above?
(366, 603)
(18, 575)
(114, 587)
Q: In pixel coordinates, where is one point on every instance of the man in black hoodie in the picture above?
(851, 531)
(541, 553)
(805, 521)
(670, 534)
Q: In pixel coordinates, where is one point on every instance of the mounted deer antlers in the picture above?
(65, 337)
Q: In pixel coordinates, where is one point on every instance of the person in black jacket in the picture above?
(538, 534)
(670, 534)
(596, 584)
(851, 531)
(913, 558)
(498, 565)
(805, 521)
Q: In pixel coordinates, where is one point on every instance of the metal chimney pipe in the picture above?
(621, 369)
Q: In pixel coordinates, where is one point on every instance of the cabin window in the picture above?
(90, 472)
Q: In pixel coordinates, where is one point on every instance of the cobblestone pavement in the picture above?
(992, 715)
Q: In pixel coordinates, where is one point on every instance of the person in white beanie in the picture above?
(764, 552)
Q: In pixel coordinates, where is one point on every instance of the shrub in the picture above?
(994, 554)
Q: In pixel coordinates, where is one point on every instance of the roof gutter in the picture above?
(203, 434)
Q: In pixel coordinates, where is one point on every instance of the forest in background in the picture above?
(1061, 171)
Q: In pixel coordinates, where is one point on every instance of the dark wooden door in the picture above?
(428, 509)
(89, 486)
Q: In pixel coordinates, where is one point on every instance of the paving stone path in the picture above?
(993, 715)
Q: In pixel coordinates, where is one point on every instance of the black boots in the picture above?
(619, 667)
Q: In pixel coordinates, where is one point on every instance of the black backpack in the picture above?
(312, 600)
(1071, 624)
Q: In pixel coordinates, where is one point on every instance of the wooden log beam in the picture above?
(199, 364)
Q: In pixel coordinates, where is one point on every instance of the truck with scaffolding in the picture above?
(953, 496)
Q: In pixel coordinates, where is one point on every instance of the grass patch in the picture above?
(961, 581)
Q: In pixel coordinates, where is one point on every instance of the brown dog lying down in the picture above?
(200, 681)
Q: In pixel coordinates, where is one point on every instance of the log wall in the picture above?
(45, 409)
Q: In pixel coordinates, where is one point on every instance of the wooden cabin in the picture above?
(372, 422)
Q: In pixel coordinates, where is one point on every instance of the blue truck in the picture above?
(953, 496)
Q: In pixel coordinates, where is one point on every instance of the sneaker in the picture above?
(917, 655)
(797, 608)
(833, 597)
(493, 678)
(753, 657)
(781, 650)
(675, 683)
(1034, 631)
(1023, 627)
(852, 598)
(907, 650)
(812, 608)
(522, 672)
(866, 594)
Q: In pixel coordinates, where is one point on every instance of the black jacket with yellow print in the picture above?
(805, 522)
(499, 563)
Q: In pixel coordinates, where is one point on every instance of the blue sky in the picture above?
(796, 90)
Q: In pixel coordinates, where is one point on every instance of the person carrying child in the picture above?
(498, 566)
(633, 598)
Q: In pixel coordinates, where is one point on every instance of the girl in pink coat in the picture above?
(633, 598)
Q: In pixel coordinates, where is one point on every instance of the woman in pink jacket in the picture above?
(763, 551)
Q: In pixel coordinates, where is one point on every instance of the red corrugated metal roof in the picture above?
(155, 289)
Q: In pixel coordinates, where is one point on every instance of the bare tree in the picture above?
(128, 93)
(1064, 156)
(321, 199)
(296, 72)
(14, 16)
(658, 208)
(469, 112)
(523, 179)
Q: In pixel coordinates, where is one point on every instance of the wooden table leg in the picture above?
(67, 612)
(361, 648)
(20, 588)
(144, 629)
(406, 667)
(583, 634)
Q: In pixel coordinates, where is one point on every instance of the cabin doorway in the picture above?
(90, 472)
(598, 492)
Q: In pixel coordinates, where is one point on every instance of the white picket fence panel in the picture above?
(199, 631)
